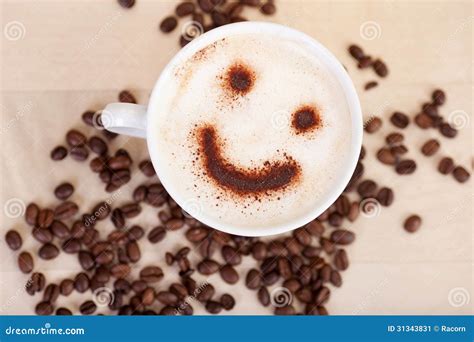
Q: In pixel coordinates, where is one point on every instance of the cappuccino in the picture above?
(252, 130)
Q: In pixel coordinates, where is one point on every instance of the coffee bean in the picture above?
(315, 228)
(342, 237)
(66, 287)
(63, 312)
(213, 307)
(151, 274)
(75, 138)
(373, 124)
(430, 147)
(252, 3)
(156, 195)
(205, 293)
(431, 110)
(446, 165)
(135, 233)
(327, 245)
(371, 84)
(60, 230)
(394, 138)
(353, 212)
(185, 8)
(341, 261)
(412, 223)
(268, 8)
(168, 24)
(118, 218)
(174, 224)
(398, 150)
(86, 260)
(13, 239)
(48, 251)
(131, 210)
(461, 174)
(367, 188)
(263, 296)
(336, 278)
(365, 62)
(322, 296)
(58, 153)
(447, 130)
(342, 205)
(335, 219)
(259, 250)
(45, 218)
(122, 270)
(356, 51)
(63, 191)
(119, 162)
(439, 97)
(423, 121)
(380, 68)
(385, 196)
(147, 168)
(285, 311)
(253, 279)
(284, 268)
(229, 274)
(270, 278)
(399, 120)
(31, 214)
(157, 234)
(66, 210)
(303, 236)
(126, 3)
(81, 282)
(43, 235)
(25, 262)
(51, 293)
(385, 156)
(139, 194)
(227, 301)
(97, 145)
(208, 267)
(35, 283)
(205, 5)
(126, 97)
(405, 167)
(133, 251)
(230, 255)
(88, 307)
(44, 309)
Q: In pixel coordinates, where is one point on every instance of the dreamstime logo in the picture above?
(459, 119)
(103, 296)
(370, 207)
(194, 208)
(14, 208)
(280, 119)
(370, 30)
(14, 30)
(458, 297)
(191, 30)
(281, 297)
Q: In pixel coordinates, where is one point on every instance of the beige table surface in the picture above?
(59, 58)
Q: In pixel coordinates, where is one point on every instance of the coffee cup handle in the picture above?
(125, 118)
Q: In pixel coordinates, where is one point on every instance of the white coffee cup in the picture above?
(131, 119)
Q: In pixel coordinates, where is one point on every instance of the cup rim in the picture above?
(334, 66)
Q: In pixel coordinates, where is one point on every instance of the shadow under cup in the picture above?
(163, 134)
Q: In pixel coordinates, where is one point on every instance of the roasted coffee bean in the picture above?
(263, 296)
(88, 118)
(439, 97)
(81, 282)
(139, 194)
(157, 234)
(341, 261)
(156, 195)
(118, 218)
(446, 165)
(367, 188)
(148, 296)
(179, 290)
(90, 237)
(208, 267)
(13, 239)
(75, 138)
(101, 211)
(231, 255)
(131, 210)
(353, 211)
(206, 5)
(399, 120)
(168, 24)
(219, 18)
(356, 51)
(133, 251)
(86, 260)
(35, 283)
(105, 176)
(461, 174)
(205, 293)
(139, 286)
(253, 280)
(151, 274)
(60, 230)
(59, 153)
(253, 3)
(285, 311)
(44, 309)
(147, 168)
(119, 162)
(229, 274)
(259, 250)
(126, 97)
(342, 237)
(385, 156)
(447, 130)
(303, 236)
(398, 150)
(167, 298)
(327, 245)
(365, 62)
(185, 8)
(43, 235)
(430, 147)
(25, 262)
(336, 278)
(335, 219)
(97, 145)
(270, 278)
(123, 286)
(268, 8)
(315, 228)
(405, 167)
(63, 191)
(430, 109)
(65, 210)
(322, 296)
(380, 68)
(371, 84)
(31, 214)
(126, 3)
(48, 251)
(63, 312)
(88, 307)
(174, 224)
(79, 153)
(213, 307)
(284, 267)
(227, 301)
(394, 138)
(45, 218)
(385, 196)
(412, 223)
(373, 124)
(342, 205)
(51, 293)
(305, 295)
(71, 246)
(423, 121)
(311, 251)
(135, 233)
(122, 270)
(275, 248)
(66, 287)
(292, 284)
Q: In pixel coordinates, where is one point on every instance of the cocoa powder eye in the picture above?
(239, 79)
(306, 119)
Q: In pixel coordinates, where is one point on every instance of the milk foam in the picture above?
(255, 127)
